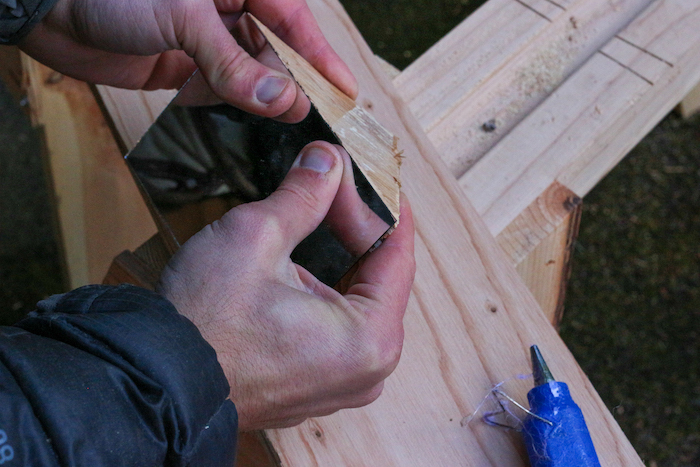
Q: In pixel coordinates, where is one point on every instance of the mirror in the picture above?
(202, 157)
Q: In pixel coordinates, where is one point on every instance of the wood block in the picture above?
(540, 243)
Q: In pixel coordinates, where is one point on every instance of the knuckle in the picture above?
(380, 359)
(370, 395)
(254, 226)
(307, 198)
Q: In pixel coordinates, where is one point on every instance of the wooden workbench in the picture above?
(569, 87)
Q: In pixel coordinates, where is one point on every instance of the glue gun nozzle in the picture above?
(540, 370)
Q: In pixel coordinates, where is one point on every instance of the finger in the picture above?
(352, 221)
(384, 280)
(294, 23)
(232, 73)
(302, 201)
(301, 106)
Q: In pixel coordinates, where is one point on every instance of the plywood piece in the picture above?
(100, 212)
(468, 325)
(373, 148)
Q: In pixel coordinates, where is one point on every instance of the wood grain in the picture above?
(456, 345)
(630, 85)
(690, 105)
(372, 148)
(500, 64)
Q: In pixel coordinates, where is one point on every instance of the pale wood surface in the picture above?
(499, 64)
(99, 209)
(638, 76)
(130, 125)
(468, 325)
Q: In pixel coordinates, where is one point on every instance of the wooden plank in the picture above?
(577, 141)
(499, 64)
(100, 212)
(371, 147)
(456, 345)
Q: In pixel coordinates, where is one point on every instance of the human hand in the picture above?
(290, 346)
(152, 44)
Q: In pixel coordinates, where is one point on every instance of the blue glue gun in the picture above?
(555, 432)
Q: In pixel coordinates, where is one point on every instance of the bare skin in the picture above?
(292, 347)
(153, 44)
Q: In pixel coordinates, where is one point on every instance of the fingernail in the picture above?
(317, 159)
(270, 88)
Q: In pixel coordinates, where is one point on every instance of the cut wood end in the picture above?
(371, 146)
(376, 153)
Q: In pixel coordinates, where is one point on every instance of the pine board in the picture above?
(630, 84)
(456, 345)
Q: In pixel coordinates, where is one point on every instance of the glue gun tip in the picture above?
(540, 370)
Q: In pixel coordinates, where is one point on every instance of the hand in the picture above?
(152, 44)
(292, 347)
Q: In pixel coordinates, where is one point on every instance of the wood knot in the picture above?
(490, 126)
(572, 202)
(318, 434)
(491, 307)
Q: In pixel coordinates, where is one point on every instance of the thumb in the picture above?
(303, 199)
(232, 73)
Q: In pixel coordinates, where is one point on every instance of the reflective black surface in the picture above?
(196, 162)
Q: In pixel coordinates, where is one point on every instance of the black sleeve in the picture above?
(18, 17)
(111, 376)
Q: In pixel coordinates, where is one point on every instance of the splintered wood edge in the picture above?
(371, 146)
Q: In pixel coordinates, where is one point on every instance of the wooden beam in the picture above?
(499, 65)
(635, 79)
(468, 325)
(100, 212)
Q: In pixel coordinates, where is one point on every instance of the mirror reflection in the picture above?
(198, 161)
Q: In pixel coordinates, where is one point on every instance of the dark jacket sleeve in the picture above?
(112, 376)
(18, 17)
